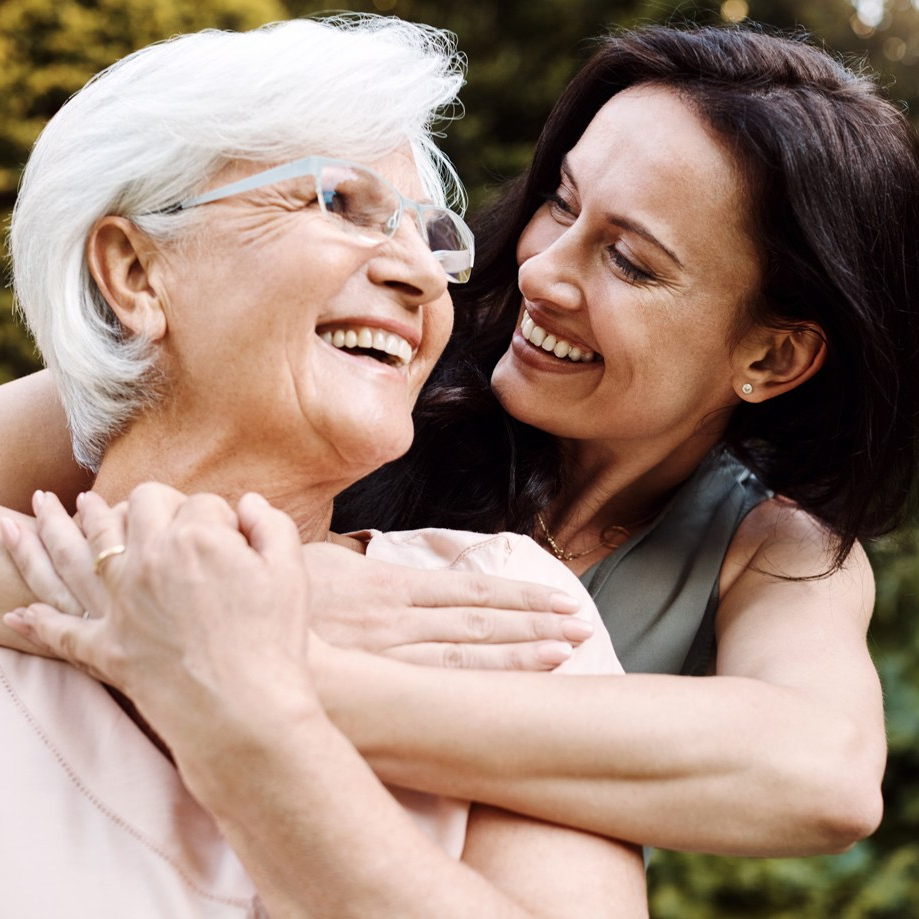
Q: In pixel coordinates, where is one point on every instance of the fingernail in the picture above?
(15, 617)
(562, 603)
(10, 532)
(80, 501)
(38, 499)
(576, 629)
(553, 652)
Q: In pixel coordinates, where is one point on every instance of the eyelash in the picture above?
(632, 273)
(555, 200)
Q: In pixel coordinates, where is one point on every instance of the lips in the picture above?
(380, 344)
(563, 349)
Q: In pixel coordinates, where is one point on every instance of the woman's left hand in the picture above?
(179, 619)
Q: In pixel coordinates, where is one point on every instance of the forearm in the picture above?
(726, 765)
(36, 444)
(14, 592)
(321, 837)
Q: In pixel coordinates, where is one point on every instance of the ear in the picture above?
(770, 362)
(121, 260)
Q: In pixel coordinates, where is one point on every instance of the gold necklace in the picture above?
(607, 535)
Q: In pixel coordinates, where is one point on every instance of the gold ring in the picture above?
(106, 554)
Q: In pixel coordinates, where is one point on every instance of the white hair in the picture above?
(153, 128)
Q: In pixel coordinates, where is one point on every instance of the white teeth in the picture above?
(538, 336)
(388, 343)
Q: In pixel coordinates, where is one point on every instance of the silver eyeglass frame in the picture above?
(457, 264)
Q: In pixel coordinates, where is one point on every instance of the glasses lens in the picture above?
(450, 241)
(357, 197)
(362, 201)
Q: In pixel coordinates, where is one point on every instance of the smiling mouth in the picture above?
(538, 337)
(385, 347)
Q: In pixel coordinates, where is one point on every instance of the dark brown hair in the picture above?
(833, 173)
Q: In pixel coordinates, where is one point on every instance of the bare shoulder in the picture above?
(778, 542)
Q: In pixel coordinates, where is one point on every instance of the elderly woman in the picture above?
(699, 280)
(222, 255)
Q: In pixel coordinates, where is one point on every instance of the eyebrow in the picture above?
(637, 228)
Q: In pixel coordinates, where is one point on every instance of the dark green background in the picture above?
(521, 52)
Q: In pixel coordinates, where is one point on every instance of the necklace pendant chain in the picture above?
(611, 538)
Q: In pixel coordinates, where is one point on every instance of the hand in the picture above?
(438, 618)
(24, 543)
(202, 605)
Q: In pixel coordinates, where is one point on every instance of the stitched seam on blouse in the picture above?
(105, 810)
(480, 546)
(423, 536)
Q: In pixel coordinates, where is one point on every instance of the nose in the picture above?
(551, 260)
(406, 264)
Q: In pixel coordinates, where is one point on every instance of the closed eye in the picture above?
(630, 271)
(559, 206)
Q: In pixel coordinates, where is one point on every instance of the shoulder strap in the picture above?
(658, 594)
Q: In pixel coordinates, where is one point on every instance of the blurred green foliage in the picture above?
(48, 50)
(520, 55)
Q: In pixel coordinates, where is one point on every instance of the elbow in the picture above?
(852, 818)
(846, 805)
(857, 812)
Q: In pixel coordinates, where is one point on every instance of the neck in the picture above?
(608, 487)
(147, 452)
(151, 451)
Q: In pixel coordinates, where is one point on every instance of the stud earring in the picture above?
(746, 389)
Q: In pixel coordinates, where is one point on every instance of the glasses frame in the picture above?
(457, 264)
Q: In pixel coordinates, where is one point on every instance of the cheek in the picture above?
(438, 327)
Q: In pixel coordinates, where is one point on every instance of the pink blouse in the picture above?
(95, 821)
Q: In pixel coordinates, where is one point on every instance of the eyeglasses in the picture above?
(357, 198)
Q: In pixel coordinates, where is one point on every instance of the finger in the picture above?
(91, 507)
(269, 531)
(36, 568)
(479, 625)
(452, 588)
(90, 504)
(69, 553)
(533, 656)
(104, 526)
(66, 637)
(151, 509)
(17, 623)
(206, 510)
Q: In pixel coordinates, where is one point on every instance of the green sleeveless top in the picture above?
(658, 593)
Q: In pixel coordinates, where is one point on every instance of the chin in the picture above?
(376, 445)
(552, 417)
(515, 397)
